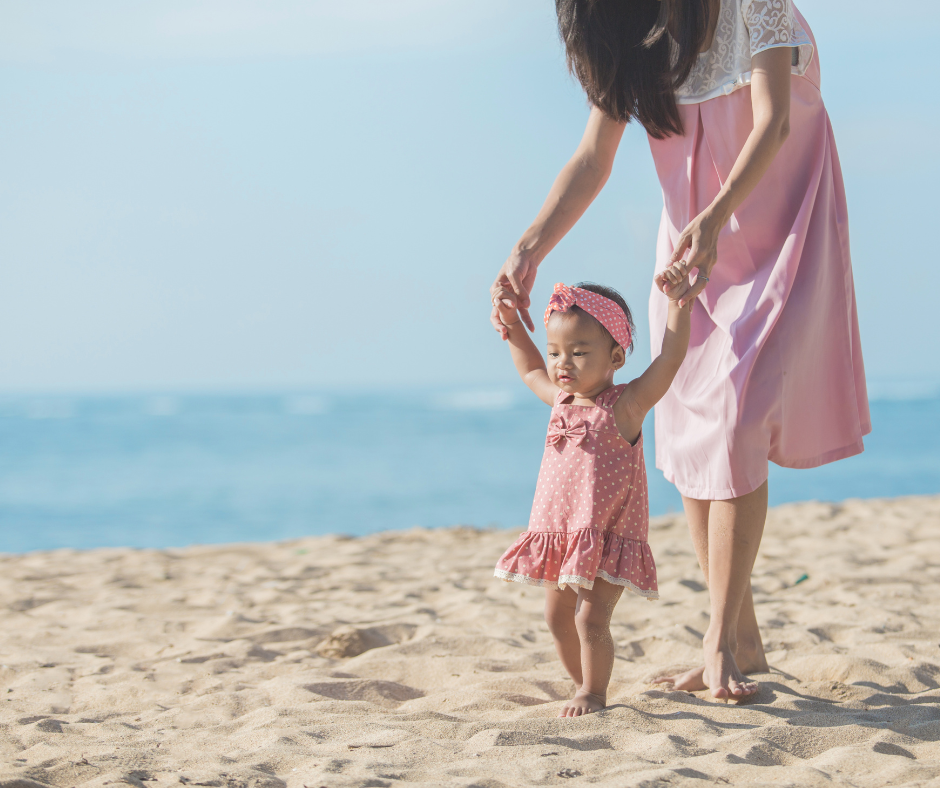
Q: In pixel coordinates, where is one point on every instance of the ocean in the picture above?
(173, 470)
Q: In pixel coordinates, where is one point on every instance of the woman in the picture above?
(755, 226)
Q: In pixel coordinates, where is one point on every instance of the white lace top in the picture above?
(745, 27)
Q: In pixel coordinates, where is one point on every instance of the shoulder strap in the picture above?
(607, 398)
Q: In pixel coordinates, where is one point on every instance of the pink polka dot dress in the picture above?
(590, 517)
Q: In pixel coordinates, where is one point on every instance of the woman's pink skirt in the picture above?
(774, 369)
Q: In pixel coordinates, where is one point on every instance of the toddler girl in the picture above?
(587, 533)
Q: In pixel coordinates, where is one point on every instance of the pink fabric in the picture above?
(774, 369)
(590, 517)
(606, 312)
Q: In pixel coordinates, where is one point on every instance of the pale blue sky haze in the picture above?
(224, 194)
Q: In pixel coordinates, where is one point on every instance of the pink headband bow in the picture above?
(608, 313)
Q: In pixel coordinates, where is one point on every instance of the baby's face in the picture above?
(582, 358)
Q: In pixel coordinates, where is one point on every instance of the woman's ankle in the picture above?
(750, 656)
(718, 639)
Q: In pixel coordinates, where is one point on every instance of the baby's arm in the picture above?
(641, 394)
(525, 355)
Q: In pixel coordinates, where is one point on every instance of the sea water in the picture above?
(161, 470)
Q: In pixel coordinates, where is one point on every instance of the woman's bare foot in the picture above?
(723, 677)
(751, 660)
(690, 681)
(583, 703)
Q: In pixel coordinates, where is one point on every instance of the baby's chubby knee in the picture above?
(558, 618)
(559, 612)
(592, 620)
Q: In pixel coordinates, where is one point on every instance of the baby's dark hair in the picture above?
(613, 295)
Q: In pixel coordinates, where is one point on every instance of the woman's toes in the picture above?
(690, 681)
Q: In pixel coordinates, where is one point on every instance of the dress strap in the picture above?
(606, 399)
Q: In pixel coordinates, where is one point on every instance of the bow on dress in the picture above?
(559, 430)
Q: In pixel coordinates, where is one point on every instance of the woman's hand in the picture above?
(700, 240)
(512, 287)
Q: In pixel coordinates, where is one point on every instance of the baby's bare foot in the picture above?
(583, 703)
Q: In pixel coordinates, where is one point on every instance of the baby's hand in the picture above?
(502, 300)
(686, 307)
(677, 282)
(673, 281)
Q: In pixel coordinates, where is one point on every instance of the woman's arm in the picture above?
(642, 394)
(770, 103)
(525, 355)
(575, 188)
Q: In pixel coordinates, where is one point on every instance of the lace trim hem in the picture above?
(576, 580)
(648, 594)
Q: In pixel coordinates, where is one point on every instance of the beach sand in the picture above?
(397, 659)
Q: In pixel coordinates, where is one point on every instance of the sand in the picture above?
(397, 659)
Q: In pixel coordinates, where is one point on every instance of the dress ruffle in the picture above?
(554, 558)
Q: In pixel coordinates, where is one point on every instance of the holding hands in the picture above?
(505, 311)
(700, 239)
(511, 289)
(509, 294)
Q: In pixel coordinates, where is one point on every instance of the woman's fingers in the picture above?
(512, 286)
(693, 291)
(682, 245)
(519, 289)
(700, 253)
(678, 269)
(703, 259)
(521, 279)
(526, 318)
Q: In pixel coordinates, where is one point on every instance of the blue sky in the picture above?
(222, 194)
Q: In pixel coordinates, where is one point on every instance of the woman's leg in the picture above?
(735, 529)
(731, 525)
(560, 605)
(750, 651)
(592, 618)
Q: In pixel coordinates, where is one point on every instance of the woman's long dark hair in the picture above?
(631, 55)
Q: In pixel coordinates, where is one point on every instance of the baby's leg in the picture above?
(559, 615)
(592, 618)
